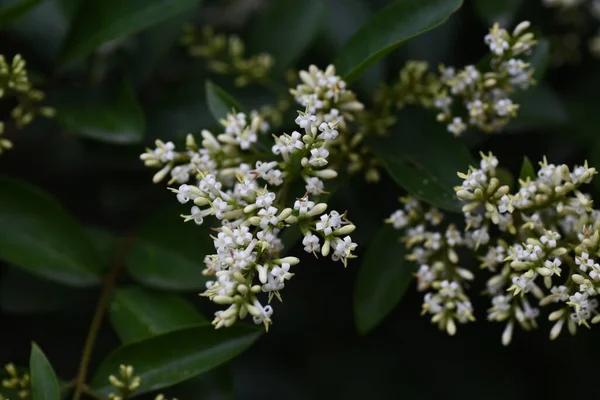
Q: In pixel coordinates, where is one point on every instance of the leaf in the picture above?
(383, 277)
(101, 21)
(539, 59)
(44, 384)
(168, 254)
(505, 177)
(423, 158)
(503, 12)
(220, 103)
(286, 30)
(11, 13)
(137, 313)
(115, 117)
(527, 169)
(541, 108)
(389, 28)
(37, 234)
(216, 384)
(24, 293)
(176, 356)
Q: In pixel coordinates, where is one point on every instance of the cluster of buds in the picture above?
(14, 82)
(20, 383)
(127, 384)
(230, 176)
(485, 96)
(225, 55)
(523, 240)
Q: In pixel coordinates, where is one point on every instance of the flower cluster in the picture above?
(539, 245)
(225, 55)
(127, 384)
(17, 382)
(230, 176)
(14, 82)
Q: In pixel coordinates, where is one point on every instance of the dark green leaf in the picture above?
(423, 158)
(503, 12)
(505, 177)
(11, 13)
(220, 103)
(168, 253)
(539, 59)
(101, 21)
(541, 107)
(44, 384)
(37, 234)
(216, 384)
(388, 29)
(137, 313)
(176, 356)
(116, 117)
(105, 244)
(287, 29)
(24, 293)
(383, 277)
(527, 169)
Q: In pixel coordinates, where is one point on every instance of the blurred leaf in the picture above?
(286, 30)
(115, 117)
(176, 356)
(383, 277)
(505, 177)
(101, 21)
(105, 244)
(539, 59)
(137, 313)
(216, 384)
(37, 233)
(220, 103)
(24, 293)
(9, 14)
(492, 11)
(168, 253)
(542, 107)
(388, 29)
(423, 158)
(527, 169)
(44, 384)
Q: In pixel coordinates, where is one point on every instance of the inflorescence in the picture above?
(539, 246)
(235, 178)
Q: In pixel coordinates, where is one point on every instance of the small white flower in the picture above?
(314, 185)
(399, 219)
(311, 243)
(318, 157)
(457, 126)
(553, 266)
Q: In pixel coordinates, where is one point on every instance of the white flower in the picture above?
(584, 261)
(579, 300)
(398, 219)
(550, 238)
(303, 205)
(328, 131)
(559, 293)
(553, 266)
(318, 157)
(504, 107)
(265, 200)
(268, 217)
(305, 121)
(314, 185)
(343, 249)
(282, 273)
(495, 41)
(311, 243)
(457, 126)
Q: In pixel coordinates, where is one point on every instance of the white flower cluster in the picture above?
(223, 178)
(541, 245)
(485, 95)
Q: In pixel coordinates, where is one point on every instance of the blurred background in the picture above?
(88, 158)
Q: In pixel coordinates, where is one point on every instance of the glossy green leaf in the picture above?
(527, 169)
(423, 158)
(168, 253)
(39, 235)
(389, 28)
(137, 313)
(9, 14)
(492, 11)
(101, 21)
(383, 277)
(220, 103)
(176, 356)
(44, 384)
(286, 30)
(115, 117)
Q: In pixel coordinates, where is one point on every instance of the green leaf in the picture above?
(423, 158)
(101, 21)
(505, 177)
(11, 13)
(44, 384)
(539, 59)
(176, 356)
(389, 28)
(115, 117)
(24, 293)
(383, 277)
(286, 30)
(492, 11)
(542, 107)
(217, 384)
(220, 103)
(39, 235)
(527, 169)
(168, 254)
(137, 313)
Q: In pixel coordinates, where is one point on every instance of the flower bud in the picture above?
(344, 230)
(326, 174)
(288, 260)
